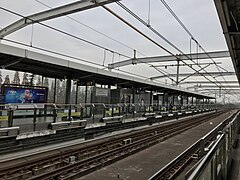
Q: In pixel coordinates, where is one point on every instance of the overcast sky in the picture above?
(200, 17)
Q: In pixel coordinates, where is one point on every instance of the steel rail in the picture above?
(92, 159)
(172, 169)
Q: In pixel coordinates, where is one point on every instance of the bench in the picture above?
(111, 118)
(9, 131)
(60, 125)
(149, 115)
(80, 123)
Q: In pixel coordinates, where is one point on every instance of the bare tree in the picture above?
(39, 83)
(16, 79)
(7, 80)
(25, 79)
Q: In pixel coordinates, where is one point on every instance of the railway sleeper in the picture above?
(130, 151)
(21, 175)
(46, 168)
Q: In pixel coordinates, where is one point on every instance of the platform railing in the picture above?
(216, 163)
(35, 115)
(199, 148)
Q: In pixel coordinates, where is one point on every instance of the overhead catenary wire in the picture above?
(157, 33)
(112, 51)
(61, 54)
(65, 33)
(93, 29)
(191, 35)
(71, 57)
(50, 51)
(164, 73)
(138, 18)
(166, 40)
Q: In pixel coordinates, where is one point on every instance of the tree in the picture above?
(58, 90)
(46, 82)
(25, 79)
(51, 92)
(16, 79)
(63, 92)
(32, 78)
(73, 94)
(1, 78)
(39, 82)
(7, 80)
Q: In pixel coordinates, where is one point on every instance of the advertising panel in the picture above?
(24, 94)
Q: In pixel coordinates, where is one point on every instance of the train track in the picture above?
(196, 151)
(79, 160)
(11, 144)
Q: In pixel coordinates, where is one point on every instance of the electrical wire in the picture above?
(71, 34)
(50, 51)
(165, 39)
(71, 57)
(191, 35)
(157, 33)
(89, 27)
(57, 53)
(65, 33)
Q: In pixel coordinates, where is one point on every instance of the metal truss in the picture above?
(197, 74)
(208, 82)
(208, 55)
(53, 13)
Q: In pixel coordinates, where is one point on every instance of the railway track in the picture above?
(196, 151)
(79, 160)
(11, 144)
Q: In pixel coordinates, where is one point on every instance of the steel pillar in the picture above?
(68, 91)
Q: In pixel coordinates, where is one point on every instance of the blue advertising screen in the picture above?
(24, 95)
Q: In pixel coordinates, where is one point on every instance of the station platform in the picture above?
(56, 146)
(144, 164)
(42, 124)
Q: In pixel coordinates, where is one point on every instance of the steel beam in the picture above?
(225, 91)
(76, 69)
(198, 64)
(198, 74)
(229, 24)
(208, 82)
(203, 86)
(53, 13)
(208, 55)
(217, 89)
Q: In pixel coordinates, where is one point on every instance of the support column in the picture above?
(163, 99)
(55, 90)
(76, 98)
(68, 91)
(167, 99)
(177, 78)
(86, 89)
(133, 93)
(151, 98)
(173, 100)
(42, 80)
(181, 102)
